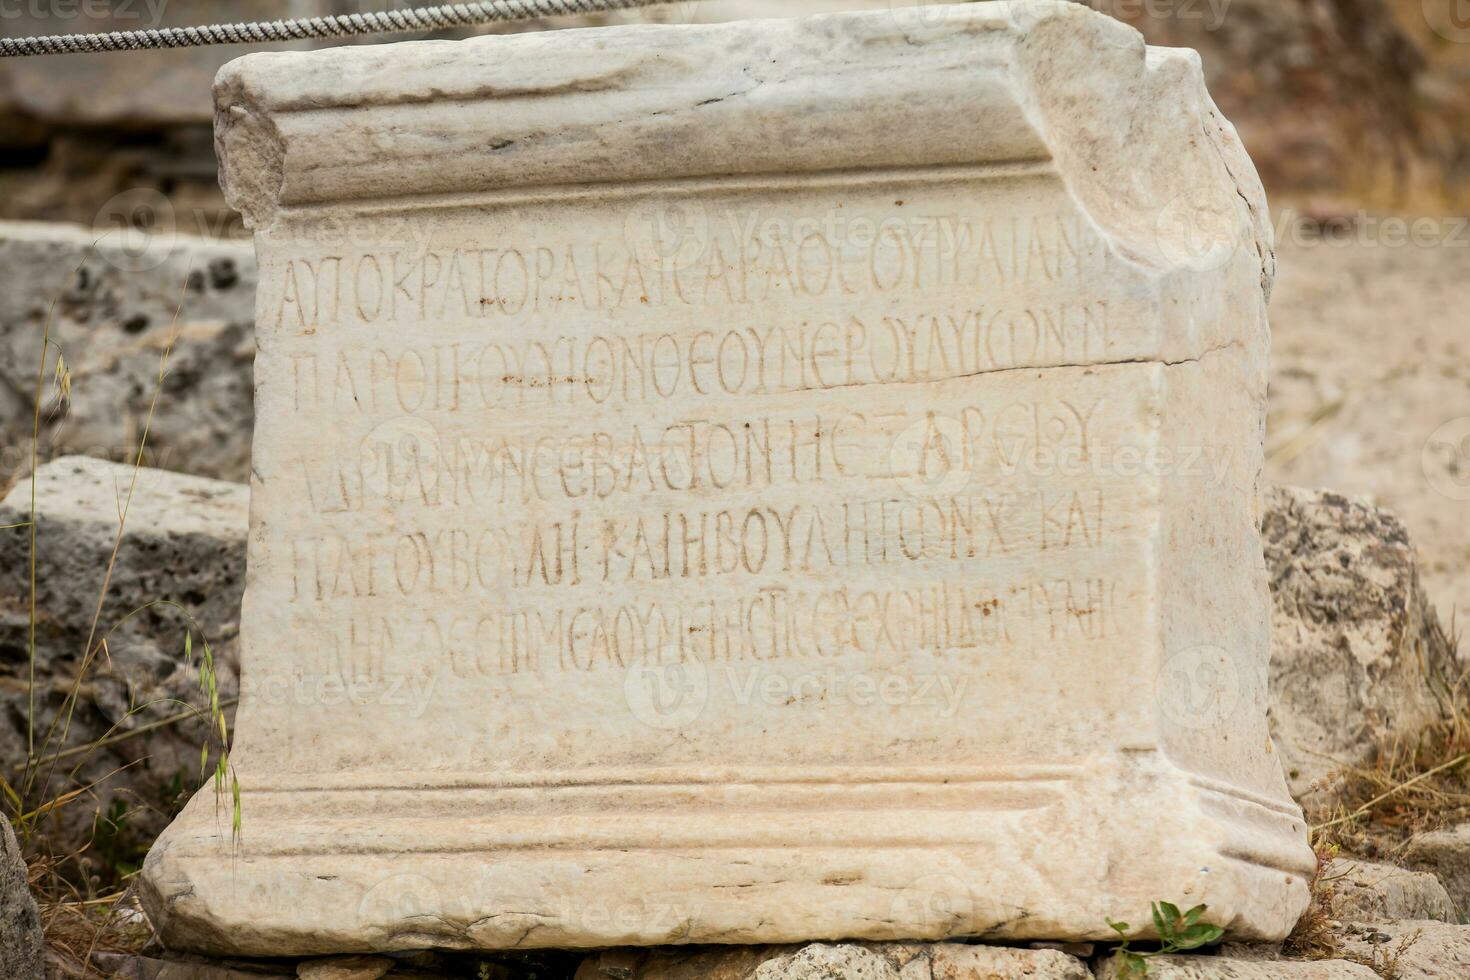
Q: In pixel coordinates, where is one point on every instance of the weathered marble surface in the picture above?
(776, 481)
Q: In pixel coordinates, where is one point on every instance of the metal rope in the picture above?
(304, 28)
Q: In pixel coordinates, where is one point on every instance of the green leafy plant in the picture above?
(1178, 932)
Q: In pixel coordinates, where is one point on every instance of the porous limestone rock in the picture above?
(181, 559)
(860, 961)
(344, 968)
(22, 947)
(1446, 853)
(755, 483)
(1227, 968)
(1357, 652)
(1368, 892)
(112, 298)
(1411, 950)
(126, 966)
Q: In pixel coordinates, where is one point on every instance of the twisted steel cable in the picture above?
(306, 28)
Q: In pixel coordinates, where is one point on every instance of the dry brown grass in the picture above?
(1384, 960)
(1414, 784)
(77, 917)
(76, 926)
(1315, 935)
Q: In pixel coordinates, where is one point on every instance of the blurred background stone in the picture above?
(1345, 99)
(112, 305)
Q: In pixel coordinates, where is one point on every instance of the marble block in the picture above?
(774, 481)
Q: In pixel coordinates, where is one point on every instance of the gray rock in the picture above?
(123, 966)
(1412, 950)
(1446, 853)
(1228, 968)
(22, 948)
(844, 961)
(344, 968)
(113, 316)
(181, 560)
(1357, 650)
(1366, 892)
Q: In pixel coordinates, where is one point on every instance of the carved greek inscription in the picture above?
(649, 367)
(742, 258)
(958, 617)
(785, 441)
(694, 544)
(410, 460)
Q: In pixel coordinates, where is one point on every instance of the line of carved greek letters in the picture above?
(643, 367)
(773, 623)
(714, 265)
(588, 470)
(409, 461)
(613, 550)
